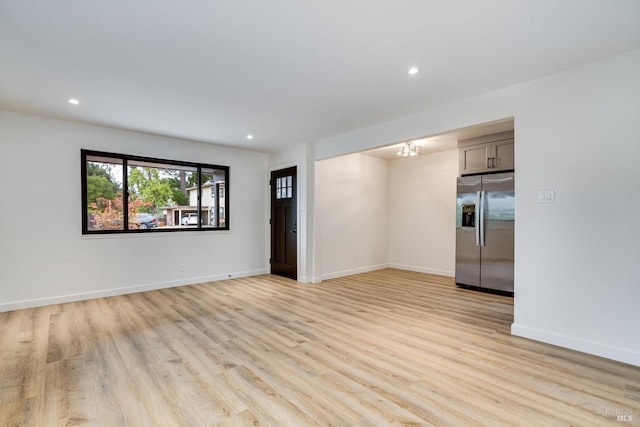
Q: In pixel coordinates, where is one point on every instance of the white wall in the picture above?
(577, 269)
(351, 215)
(578, 259)
(45, 259)
(422, 209)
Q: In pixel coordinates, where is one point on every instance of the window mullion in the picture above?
(199, 201)
(125, 193)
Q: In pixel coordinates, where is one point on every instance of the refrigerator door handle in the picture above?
(477, 222)
(480, 226)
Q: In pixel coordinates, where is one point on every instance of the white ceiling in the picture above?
(287, 71)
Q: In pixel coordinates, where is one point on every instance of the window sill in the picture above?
(158, 233)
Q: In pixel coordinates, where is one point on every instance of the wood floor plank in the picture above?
(385, 348)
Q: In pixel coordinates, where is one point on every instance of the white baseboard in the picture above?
(447, 273)
(40, 302)
(624, 355)
(335, 275)
(358, 270)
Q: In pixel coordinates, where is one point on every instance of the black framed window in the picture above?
(133, 194)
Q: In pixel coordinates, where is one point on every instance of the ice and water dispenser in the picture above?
(469, 215)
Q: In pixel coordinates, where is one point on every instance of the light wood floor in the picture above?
(375, 349)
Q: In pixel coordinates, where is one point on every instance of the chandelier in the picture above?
(408, 149)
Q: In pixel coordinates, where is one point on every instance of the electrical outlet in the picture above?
(181, 268)
(545, 196)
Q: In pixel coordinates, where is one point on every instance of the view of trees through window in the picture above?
(172, 195)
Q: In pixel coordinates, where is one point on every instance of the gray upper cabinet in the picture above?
(488, 153)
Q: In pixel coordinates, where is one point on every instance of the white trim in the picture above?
(128, 235)
(352, 271)
(436, 271)
(281, 166)
(40, 302)
(586, 346)
(318, 279)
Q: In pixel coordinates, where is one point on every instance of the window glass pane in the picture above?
(289, 192)
(104, 207)
(289, 181)
(123, 194)
(158, 194)
(213, 198)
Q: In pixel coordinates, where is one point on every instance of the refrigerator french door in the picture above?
(485, 217)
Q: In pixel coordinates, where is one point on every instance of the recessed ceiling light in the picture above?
(413, 71)
(249, 136)
(73, 101)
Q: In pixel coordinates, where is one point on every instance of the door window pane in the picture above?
(284, 187)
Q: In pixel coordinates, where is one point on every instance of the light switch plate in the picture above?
(545, 196)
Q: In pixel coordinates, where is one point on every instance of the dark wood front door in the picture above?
(284, 223)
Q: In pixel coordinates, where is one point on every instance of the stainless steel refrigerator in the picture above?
(485, 217)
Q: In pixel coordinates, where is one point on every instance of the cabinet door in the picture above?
(503, 152)
(473, 158)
